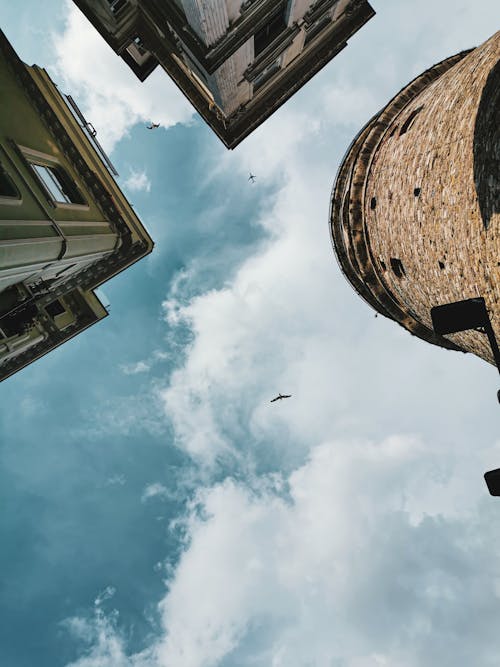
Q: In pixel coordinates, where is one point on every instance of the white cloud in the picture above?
(106, 646)
(338, 573)
(135, 369)
(339, 564)
(108, 92)
(155, 490)
(116, 480)
(138, 181)
(368, 548)
(288, 321)
(105, 595)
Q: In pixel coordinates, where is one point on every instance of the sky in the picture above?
(156, 509)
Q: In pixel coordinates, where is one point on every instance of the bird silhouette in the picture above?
(152, 126)
(280, 397)
(252, 178)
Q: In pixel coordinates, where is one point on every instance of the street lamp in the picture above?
(460, 316)
(463, 315)
(492, 479)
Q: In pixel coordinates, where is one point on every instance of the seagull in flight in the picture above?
(279, 397)
(252, 178)
(152, 126)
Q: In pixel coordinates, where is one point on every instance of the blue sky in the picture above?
(156, 509)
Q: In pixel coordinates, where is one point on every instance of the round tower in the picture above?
(415, 211)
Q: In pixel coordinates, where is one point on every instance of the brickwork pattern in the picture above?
(414, 230)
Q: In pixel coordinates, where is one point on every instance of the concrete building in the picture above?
(236, 61)
(415, 212)
(65, 226)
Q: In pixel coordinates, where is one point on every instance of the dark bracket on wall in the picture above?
(463, 315)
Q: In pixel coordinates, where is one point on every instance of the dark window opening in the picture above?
(271, 31)
(7, 187)
(441, 265)
(139, 45)
(382, 264)
(55, 308)
(417, 192)
(409, 121)
(393, 131)
(373, 203)
(397, 267)
(18, 319)
(58, 183)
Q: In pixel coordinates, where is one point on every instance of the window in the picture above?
(55, 308)
(58, 184)
(409, 121)
(397, 267)
(138, 51)
(7, 188)
(373, 203)
(271, 31)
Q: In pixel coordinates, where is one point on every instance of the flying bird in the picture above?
(152, 126)
(252, 178)
(279, 397)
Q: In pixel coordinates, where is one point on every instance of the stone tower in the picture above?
(415, 211)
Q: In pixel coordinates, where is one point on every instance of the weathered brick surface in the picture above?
(421, 185)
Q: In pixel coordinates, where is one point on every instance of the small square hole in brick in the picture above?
(397, 267)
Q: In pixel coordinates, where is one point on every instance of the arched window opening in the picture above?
(409, 121)
(397, 267)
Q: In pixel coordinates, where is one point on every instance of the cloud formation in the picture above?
(137, 181)
(349, 526)
(341, 563)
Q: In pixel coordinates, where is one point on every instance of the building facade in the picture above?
(236, 61)
(65, 226)
(415, 211)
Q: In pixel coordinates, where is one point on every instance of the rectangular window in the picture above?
(269, 32)
(397, 267)
(138, 51)
(55, 308)
(58, 184)
(7, 188)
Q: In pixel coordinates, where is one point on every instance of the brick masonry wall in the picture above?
(430, 198)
